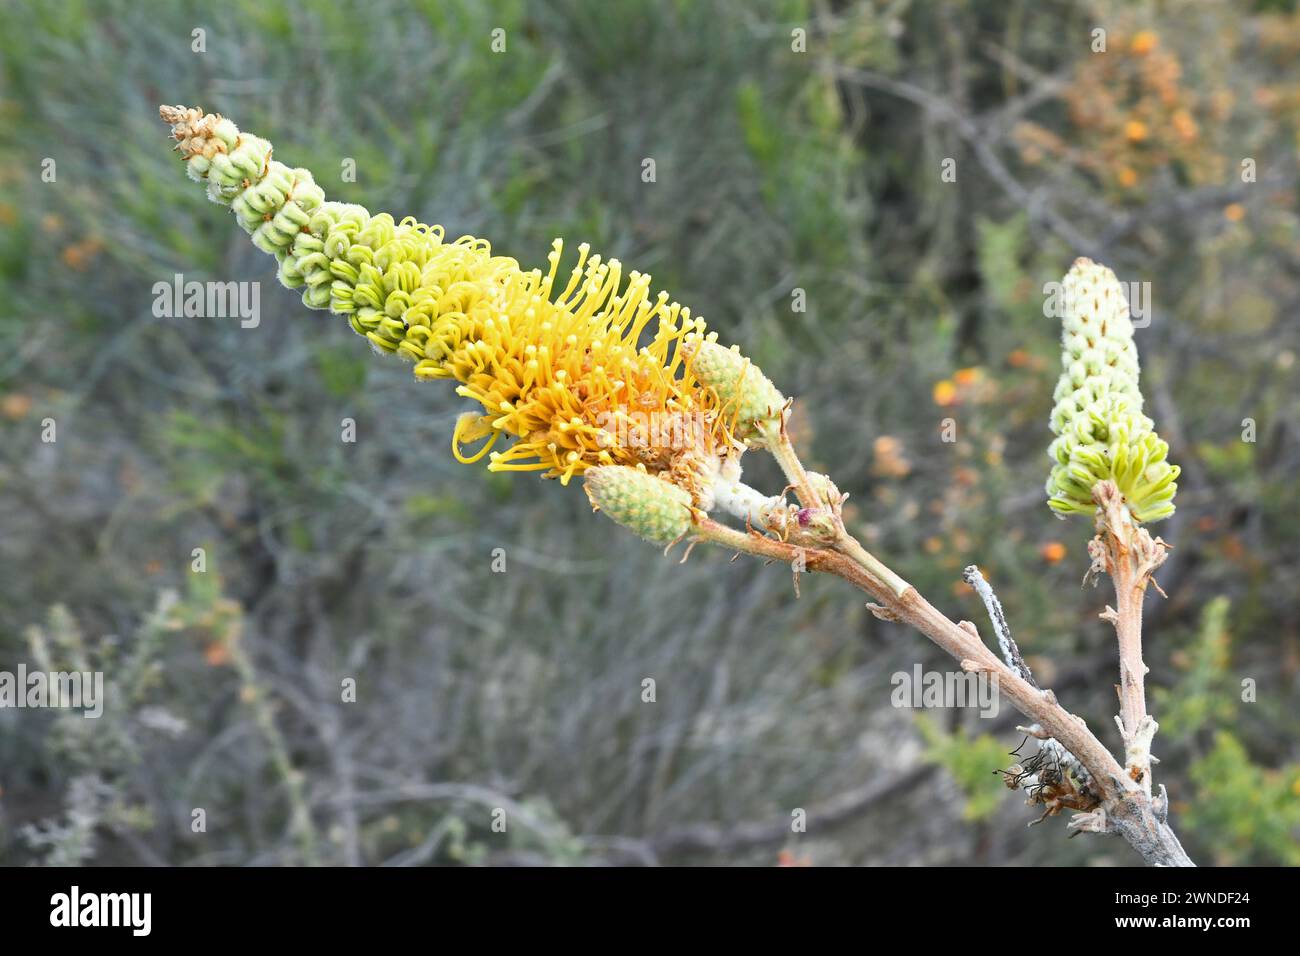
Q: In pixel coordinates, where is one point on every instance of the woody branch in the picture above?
(1127, 805)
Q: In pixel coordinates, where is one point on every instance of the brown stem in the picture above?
(1128, 627)
(961, 644)
(778, 443)
(850, 546)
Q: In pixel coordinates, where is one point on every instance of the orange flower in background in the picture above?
(890, 461)
(1130, 114)
(1052, 552)
(1234, 212)
(1184, 125)
(217, 654)
(1144, 41)
(967, 385)
(15, 405)
(78, 255)
(1135, 131)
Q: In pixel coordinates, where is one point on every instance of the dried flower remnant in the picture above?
(1051, 777)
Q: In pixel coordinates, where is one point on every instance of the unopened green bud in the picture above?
(654, 508)
(747, 395)
(1101, 431)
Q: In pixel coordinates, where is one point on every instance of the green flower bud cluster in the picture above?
(1101, 431)
(370, 268)
(747, 395)
(653, 507)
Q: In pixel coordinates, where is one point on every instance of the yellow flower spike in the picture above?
(551, 362)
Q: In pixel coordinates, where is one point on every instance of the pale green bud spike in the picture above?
(654, 508)
(747, 395)
(1101, 431)
(338, 255)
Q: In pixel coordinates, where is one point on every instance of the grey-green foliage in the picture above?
(374, 559)
(98, 753)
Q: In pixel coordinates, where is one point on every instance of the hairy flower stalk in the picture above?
(1101, 431)
(592, 376)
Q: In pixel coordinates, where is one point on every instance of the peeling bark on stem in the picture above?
(1130, 556)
